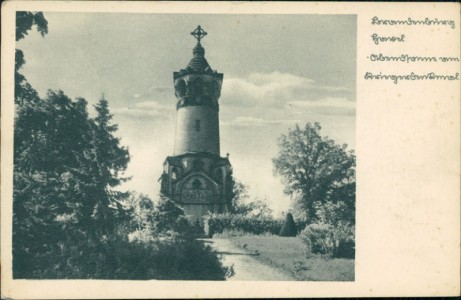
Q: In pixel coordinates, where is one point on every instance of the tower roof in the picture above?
(198, 63)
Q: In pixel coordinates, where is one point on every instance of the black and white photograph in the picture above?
(184, 147)
(229, 150)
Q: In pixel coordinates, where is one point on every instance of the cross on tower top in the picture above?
(199, 33)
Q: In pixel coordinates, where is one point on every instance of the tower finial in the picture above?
(199, 33)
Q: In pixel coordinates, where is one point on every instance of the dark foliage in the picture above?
(180, 259)
(238, 194)
(320, 176)
(330, 241)
(315, 169)
(218, 223)
(26, 19)
(62, 179)
(24, 94)
(289, 226)
(69, 223)
(169, 217)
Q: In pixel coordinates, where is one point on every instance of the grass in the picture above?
(287, 255)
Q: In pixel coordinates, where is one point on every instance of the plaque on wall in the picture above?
(196, 196)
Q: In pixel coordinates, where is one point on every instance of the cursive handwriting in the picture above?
(402, 58)
(411, 76)
(408, 59)
(410, 21)
(376, 38)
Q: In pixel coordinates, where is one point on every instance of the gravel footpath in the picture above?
(246, 267)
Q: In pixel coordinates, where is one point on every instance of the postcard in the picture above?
(229, 149)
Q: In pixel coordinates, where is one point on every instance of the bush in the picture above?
(334, 212)
(176, 259)
(218, 223)
(328, 240)
(289, 226)
(236, 233)
(318, 239)
(159, 220)
(160, 247)
(168, 259)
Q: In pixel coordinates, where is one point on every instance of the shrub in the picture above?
(237, 233)
(168, 257)
(168, 216)
(159, 220)
(329, 240)
(289, 226)
(318, 239)
(161, 247)
(218, 223)
(171, 259)
(344, 235)
(334, 212)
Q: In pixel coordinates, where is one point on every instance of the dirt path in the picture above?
(246, 267)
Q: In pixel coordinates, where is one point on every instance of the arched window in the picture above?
(174, 173)
(197, 184)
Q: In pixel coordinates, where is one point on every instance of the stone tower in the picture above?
(196, 177)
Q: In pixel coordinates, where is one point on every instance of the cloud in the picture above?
(276, 80)
(160, 89)
(142, 110)
(324, 103)
(276, 89)
(261, 99)
(251, 121)
(154, 91)
(259, 87)
(336, 106)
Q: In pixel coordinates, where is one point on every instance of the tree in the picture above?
(23, 92)
(168, 217)
(141, 209)
(26, 19)
(52, 177)
(111, 161)
(113, 158)
(334, 213)
(238, 196)
(288, 227)
(243, 206)
(315, 169)
(65, 166)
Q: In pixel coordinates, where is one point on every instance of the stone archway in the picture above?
(198, 196)
(197, 190)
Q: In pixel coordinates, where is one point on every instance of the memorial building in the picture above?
(196, 177)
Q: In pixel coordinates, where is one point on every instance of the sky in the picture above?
(279, 70)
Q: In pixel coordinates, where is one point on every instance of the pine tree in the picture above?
(112, 160)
